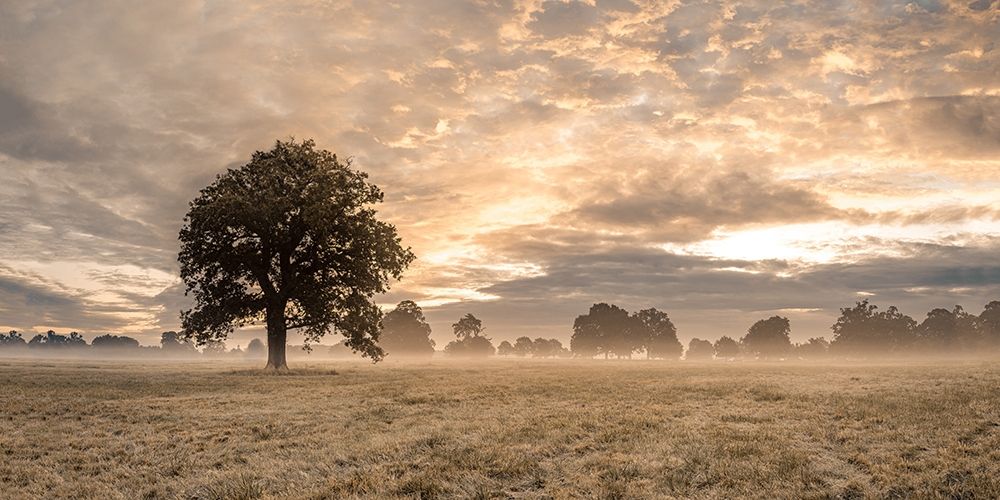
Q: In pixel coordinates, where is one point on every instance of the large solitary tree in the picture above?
(290, 239)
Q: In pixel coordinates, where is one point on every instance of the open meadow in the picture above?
(498, 429)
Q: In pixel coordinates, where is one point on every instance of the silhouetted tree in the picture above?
(948, 331)
(290, 238)
(699, 350)
(768, 338)
(863, 330)
(505, 349)
(814, 348)
(523, 346)
(606, 329)
(174, 344)
(114, 342)
(546, 348)
(405, 332)
(470, 347)
(256, 349)
(12, 339)
(660, 339)
(53, 340)
(471, 343)
(989, 324)
(468, 326)
(727, 348)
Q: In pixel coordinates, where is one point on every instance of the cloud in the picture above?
(536, 155)
(558, 18)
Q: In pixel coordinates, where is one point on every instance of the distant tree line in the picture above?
(861, 331)
(538, 348)
(172, 344)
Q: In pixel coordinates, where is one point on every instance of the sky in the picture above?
(721, 161)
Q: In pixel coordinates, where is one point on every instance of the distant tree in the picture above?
(660, 339)
(727, 348)
(256, 349)
(174, 344)
(340, 350)
(699, 350)
(606, 329)
(948, 331)
(405, 331)
(769, 338)
(523, 346)
(864, 331)
(75, 340)
(290, 239)
(989, 324)
(11, 340)
(53, 340)
(115, 342)
(814, 348)
(214, 348)
(470, 347)
(468, 326)
(505, 349)
(471, 342)
(546, 348)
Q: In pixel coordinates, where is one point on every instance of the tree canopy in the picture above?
(405, 331)
(660, 339)
(864, 330)
(699, 350)
(606, 329)
(290, 239)
(109, 341)
(471, 342)
(769, 338)
(727, 348)
(468, 326)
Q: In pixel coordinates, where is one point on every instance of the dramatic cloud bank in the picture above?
(723, 161)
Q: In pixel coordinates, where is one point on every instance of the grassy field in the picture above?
(499, 429)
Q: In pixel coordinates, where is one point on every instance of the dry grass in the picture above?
(499, 429)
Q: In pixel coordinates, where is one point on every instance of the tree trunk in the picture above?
(276, 336)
